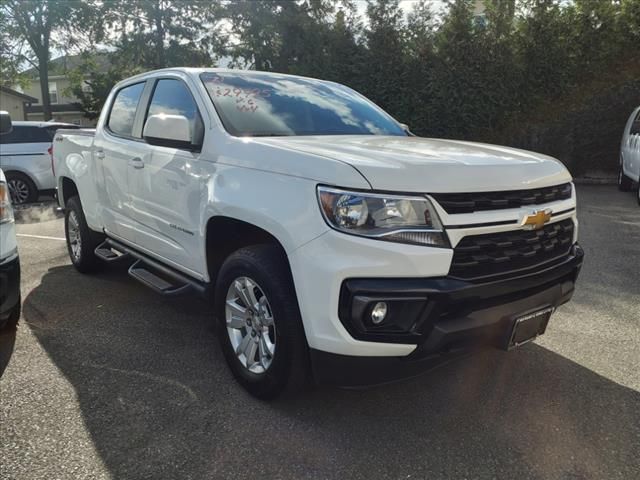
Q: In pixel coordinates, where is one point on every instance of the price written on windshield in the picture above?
(245, 98)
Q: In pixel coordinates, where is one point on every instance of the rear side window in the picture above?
(172, 97)
(123, 111)
(25, 134)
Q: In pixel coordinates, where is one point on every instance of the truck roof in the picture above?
(197, 71)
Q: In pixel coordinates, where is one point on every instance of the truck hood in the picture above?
(413, 164)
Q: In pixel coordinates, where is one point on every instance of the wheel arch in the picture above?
(67, 188)
(224, 235)
(12, 169)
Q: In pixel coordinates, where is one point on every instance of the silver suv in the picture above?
(25, 157)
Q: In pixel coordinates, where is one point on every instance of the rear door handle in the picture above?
(100, 154)
(136, 163)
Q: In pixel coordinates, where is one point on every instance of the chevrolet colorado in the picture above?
(334, 244)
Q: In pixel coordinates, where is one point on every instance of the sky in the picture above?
(406, 5)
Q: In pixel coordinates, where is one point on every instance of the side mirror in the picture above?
(168, 131)
(5, 123)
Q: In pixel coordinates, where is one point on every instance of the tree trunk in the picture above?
(160, 60)
(43, 67)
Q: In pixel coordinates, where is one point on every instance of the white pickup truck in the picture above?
(334, 244)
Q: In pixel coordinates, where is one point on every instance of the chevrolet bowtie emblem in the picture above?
(536, 220)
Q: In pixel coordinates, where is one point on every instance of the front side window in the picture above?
(172, 97)
(123, 111)
(256, 104)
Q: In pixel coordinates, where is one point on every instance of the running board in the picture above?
(145, 275)
(105, 252)
(159, 277)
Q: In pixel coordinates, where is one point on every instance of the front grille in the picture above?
(473, 202)
(478, 256)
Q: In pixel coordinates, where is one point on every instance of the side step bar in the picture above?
(107, 253)
(159, 277)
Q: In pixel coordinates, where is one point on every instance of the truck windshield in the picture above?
(256, 104)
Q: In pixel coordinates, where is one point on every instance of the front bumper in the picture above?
(9, 288)
(456, 318)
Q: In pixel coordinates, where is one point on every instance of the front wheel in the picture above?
(81, 240)
(259, 325)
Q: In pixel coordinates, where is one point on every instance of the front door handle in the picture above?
(100, 154)
(136, 163)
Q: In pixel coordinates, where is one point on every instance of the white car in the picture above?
(334, 243)
(629, 171)
(25, 157)
(9, 261)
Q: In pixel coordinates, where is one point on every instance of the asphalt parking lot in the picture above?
(104, 379)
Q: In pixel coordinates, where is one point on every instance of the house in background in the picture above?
(16, 103)
(64, 106)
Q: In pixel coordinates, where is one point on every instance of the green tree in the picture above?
(289, 36)
(152, 34)
(91, 82)
(42, 25)
(421, 54)
(457, 72)
(144, 35)
(500, 73)
(385, 67)
(546, 44)
(344, 56)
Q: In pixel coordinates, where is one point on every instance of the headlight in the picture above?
(394, 218)
(6, 212)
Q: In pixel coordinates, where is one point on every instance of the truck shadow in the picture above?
(159, 402)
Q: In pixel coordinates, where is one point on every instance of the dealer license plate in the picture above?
(528, 327)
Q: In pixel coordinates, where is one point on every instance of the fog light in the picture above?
(379, 313)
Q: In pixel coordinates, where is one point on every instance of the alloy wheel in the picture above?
(73, 233)
(250, 325)
(18, 190)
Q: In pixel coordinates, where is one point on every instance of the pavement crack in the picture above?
(148, 376)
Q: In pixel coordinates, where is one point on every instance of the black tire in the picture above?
(83, 257)
(289, 367)
(22, 188)
(12, 322)
(624, 182)
(638, 192)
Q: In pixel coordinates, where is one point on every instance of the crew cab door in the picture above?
(169, 184)
(117, 146)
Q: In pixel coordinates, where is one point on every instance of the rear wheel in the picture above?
(81, 240)
(259, 325)
(21, 188)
